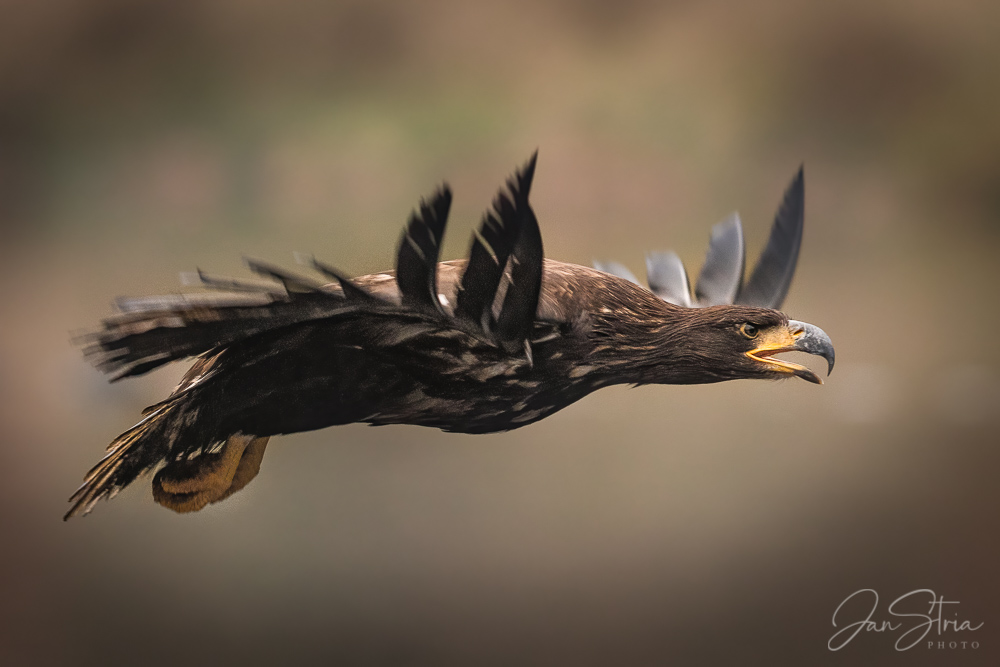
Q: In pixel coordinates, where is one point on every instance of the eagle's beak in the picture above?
(796, 337)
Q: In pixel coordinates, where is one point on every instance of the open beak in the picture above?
(796, 337)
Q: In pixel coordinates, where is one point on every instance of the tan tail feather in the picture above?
(95, 485)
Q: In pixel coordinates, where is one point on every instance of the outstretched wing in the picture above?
(720, 281)
(497, 299)
(240, 326)
(152, 331)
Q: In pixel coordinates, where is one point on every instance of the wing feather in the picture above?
(520, 301)
(419, 249)
(667, 278)
(292, 283)
(504, 267)
(352, 291)
(768, 284)
(720, 281)
(721, 275)
(497, 297)
(153, 331)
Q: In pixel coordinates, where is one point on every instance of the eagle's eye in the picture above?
(749, 330)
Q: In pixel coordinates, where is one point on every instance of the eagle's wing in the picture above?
(152, 331)
(497, 299)
(237, 324)
(720, 281)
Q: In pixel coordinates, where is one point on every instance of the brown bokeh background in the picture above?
(662, 525)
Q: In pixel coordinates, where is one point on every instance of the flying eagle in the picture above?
(487, 344)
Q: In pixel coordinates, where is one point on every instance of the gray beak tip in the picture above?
(814, 341)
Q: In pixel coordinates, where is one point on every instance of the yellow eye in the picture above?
(749, 330)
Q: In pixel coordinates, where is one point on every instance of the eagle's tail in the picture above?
(129, 455)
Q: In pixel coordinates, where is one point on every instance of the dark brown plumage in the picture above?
(488, 344)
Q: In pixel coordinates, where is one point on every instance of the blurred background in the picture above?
(684, 525)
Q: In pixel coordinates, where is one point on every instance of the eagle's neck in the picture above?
(654, 343)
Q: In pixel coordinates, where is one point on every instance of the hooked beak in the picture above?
(796, 337)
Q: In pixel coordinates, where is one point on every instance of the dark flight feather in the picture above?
(352, 292)
(768, 284)
(226, 284)
(419, 250)
(508, 234)
(293, 284)
(524, 278)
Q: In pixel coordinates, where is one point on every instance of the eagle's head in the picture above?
(740, 342)
(702, 345)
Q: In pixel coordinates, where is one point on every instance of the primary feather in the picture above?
(720, 281)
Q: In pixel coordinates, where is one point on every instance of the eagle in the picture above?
(491, 343)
